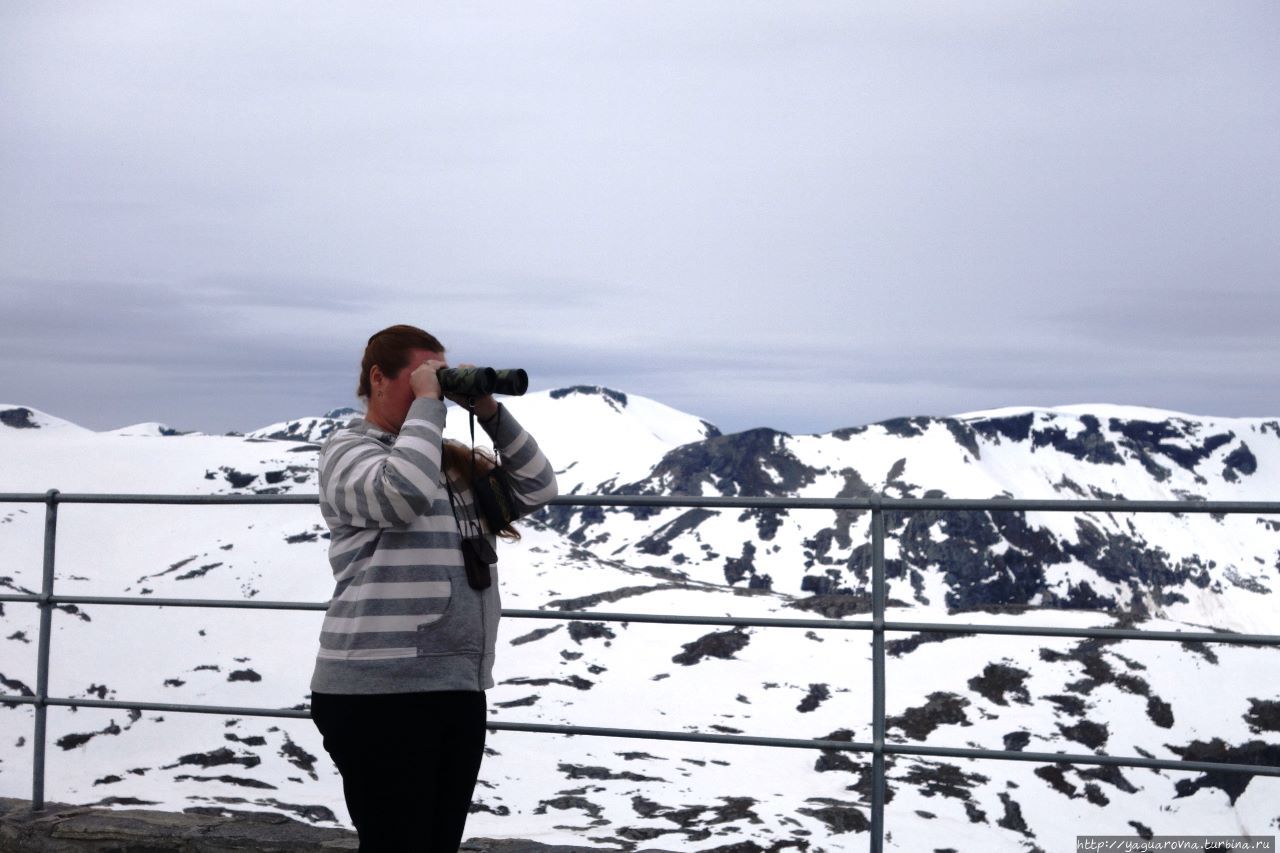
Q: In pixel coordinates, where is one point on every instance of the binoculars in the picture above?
(478, 381)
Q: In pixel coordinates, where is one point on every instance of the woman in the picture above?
(407, 646)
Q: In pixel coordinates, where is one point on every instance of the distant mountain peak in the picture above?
(15, 417)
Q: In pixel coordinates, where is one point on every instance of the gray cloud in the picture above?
(873, 209)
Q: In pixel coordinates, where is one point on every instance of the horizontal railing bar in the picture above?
(201, 500)
(1089, 633)
(148, 601)
(668, 619)
(699, 501)
(686, 737)
(174, 707)
(712, 621)
(700, 737)
(1072, 758)
(913, 627)
(917, 504)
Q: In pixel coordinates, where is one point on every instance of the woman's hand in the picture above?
(485, 407)
(424, 381)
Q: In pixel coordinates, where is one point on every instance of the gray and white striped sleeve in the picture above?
(533, 478)
(365, 484)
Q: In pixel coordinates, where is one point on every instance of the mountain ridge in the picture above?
(1035, 694)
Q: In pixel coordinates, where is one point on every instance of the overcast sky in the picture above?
(799, 215)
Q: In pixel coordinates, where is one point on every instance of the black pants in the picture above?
(409, 763)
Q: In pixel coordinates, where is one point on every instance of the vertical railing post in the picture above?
(42, 659)
(877, 675)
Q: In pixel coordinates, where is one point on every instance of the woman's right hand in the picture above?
(424, 381)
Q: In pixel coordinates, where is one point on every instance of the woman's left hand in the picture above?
(485, 406)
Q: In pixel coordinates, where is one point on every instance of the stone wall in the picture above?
(61, 828)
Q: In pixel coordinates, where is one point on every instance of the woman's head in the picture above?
(390, 351)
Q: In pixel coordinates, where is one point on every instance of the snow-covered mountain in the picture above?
(1188, 572)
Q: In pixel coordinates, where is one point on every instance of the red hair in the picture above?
(390, 349)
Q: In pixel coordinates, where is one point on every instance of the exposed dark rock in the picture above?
(997, 679)
(964, 434)
(659, 542)
(974, 576)
(580, 771)
(577, 682)
(1130, 561)
(196, 573)
(616, 399)
(237, 479)
(1014, 427)
(216, 758)
(124, 801)
(831, 760)
(840, 817)
(1017, 741)
(1263, 716)
(767, 521)
(1239, 461)
(1012, 818)
(941, 709)
(298, 757)
(938, 779)
(1204, 650)
(569, 802)
(478, 806)
(244, 675)
(74, 740)
(753, 463)
(721, 644)
(905, 427)
(536, 634)
(835, 606)
(1091, 734)
(519, 703)
(1072, 705)
(580, 631)
(297, 538)
(1149, 438)
(251, 740)
(1055, 775)
(1088, 445)
(1160, 712)
(734, 809)
(228, 780)
(897, 648)
(19, 418)
(1110, 774)
(1144, 832)
(818, 693)
(15, 685)
(737, 568)
(1233, 784)
(1094, 794)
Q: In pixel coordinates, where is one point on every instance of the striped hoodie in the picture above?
(403, 618)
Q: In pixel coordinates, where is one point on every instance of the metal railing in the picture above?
(47, 601)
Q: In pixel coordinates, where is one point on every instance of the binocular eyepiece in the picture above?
(478, 381)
